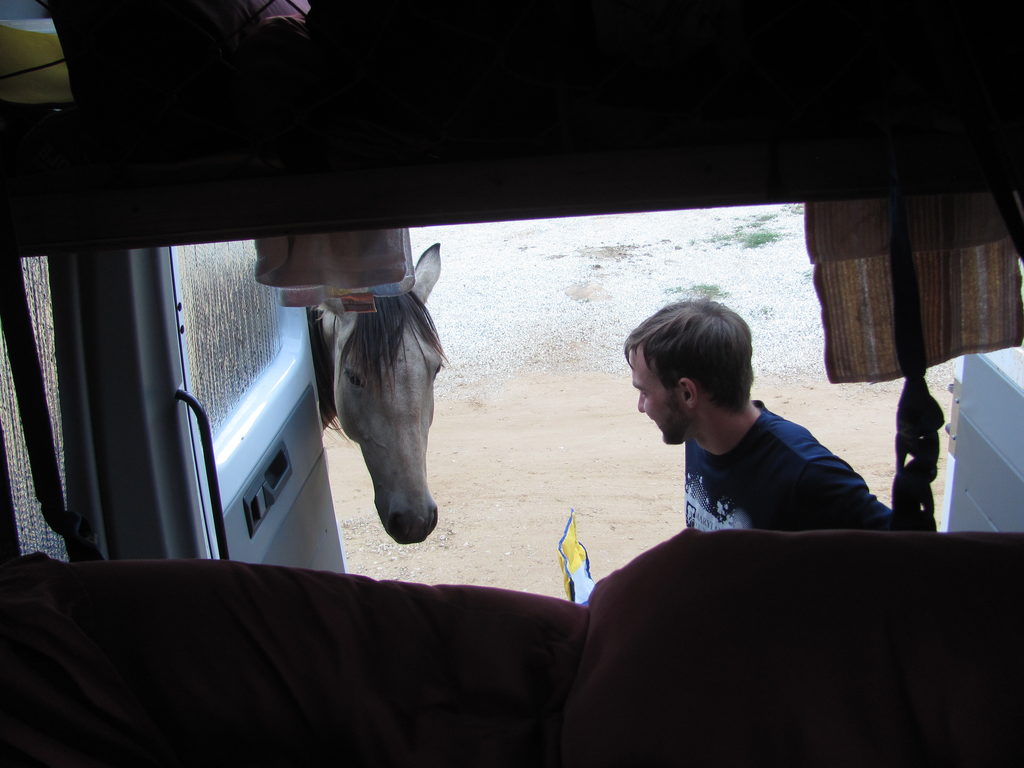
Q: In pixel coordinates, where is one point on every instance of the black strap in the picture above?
(918, 417)
(30, 388)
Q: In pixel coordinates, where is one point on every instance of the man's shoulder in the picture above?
(788, 434)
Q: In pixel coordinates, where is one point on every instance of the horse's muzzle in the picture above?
(411, 527)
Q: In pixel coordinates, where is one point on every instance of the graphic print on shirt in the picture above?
(711, 514)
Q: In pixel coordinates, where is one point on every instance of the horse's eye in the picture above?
(353, 379)
(437, 371)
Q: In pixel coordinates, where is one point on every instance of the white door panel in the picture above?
(267, 441)
(985, 468)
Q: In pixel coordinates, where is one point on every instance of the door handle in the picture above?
(206, 438)
(276, 475)
(266, 489)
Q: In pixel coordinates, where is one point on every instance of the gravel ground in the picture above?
(560, 295)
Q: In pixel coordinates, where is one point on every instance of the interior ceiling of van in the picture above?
(405, 114)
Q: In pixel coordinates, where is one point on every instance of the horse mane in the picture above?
(372, 348)
(323, 372)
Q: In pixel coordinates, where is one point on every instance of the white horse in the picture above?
(375, 378)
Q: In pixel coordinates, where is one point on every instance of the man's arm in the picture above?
(830, 494)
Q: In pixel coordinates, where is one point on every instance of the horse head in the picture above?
(382, 367)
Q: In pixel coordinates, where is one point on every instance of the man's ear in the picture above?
(687, 391)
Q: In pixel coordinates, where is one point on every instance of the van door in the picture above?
(135, 392)
(247, 360)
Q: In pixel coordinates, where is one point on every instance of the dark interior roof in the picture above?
(574, 108)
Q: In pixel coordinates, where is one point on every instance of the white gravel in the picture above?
(560, 295)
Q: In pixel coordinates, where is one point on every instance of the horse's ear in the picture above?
(428, 269)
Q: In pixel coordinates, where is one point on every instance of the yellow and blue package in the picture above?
(575, 564)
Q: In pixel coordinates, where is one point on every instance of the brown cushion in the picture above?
(63, 700)
(261, 665)
(805, 649)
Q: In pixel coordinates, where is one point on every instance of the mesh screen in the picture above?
(231, 323)
(34, 535)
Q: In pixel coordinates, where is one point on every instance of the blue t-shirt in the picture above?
(778, 477)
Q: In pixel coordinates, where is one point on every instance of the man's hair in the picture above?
(701, 340)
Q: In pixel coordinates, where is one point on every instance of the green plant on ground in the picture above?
(749, 235)
(706, 290)
(709, 291)
(757, 238)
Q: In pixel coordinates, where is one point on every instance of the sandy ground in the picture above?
(505, 468)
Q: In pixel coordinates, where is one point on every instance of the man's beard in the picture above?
(674, 431)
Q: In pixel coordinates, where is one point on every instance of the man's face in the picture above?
(660, 404)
